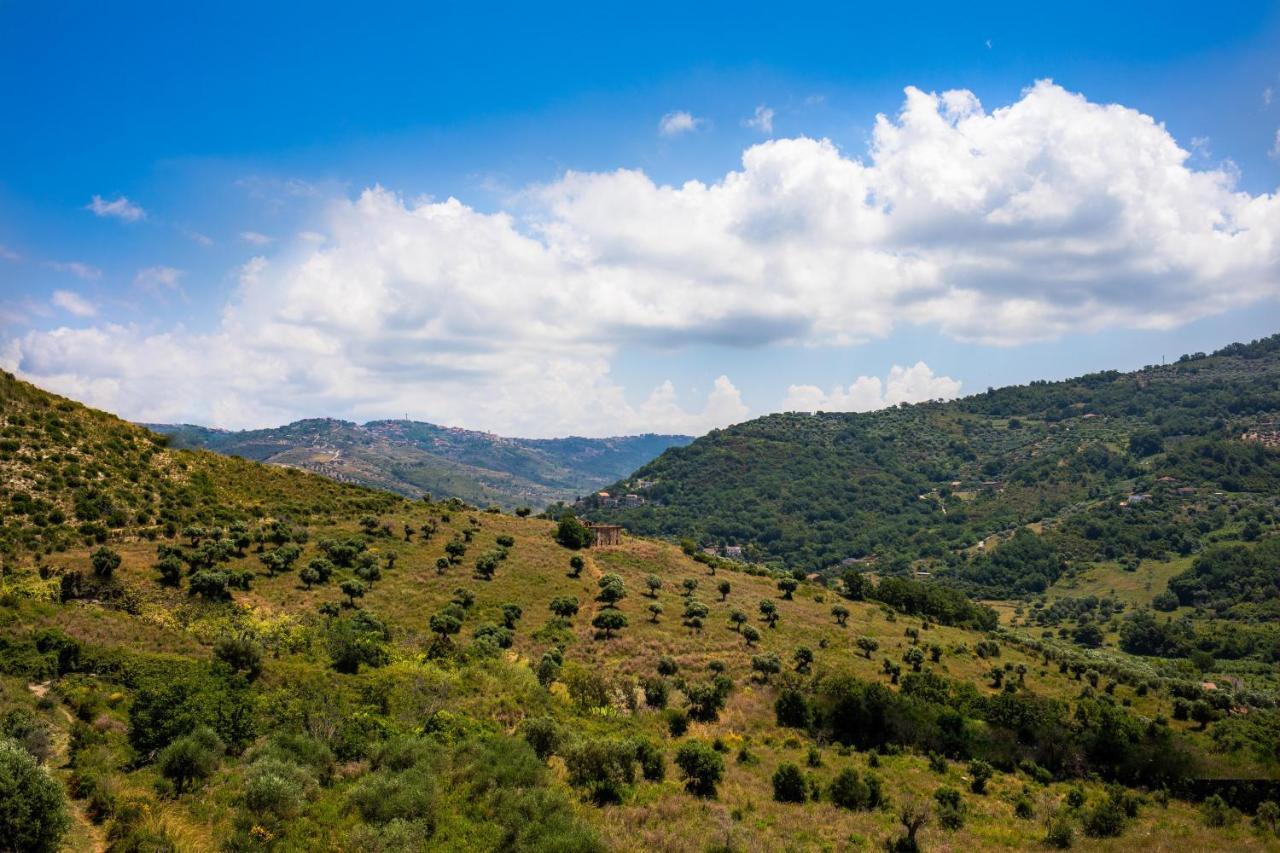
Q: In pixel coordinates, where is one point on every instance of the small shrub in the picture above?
(275, 787)
(384, 797)
(848, 790)
(543, 734)
(656, 692)
(1023, 808)
(601, 766)
(792, 709)
(789, 785)
(1215, 812)
(701, 766)
(1060, 832)
(653, 764)
(951, 808)
(1104, 820)
(1267, 817)
(979, 773)
(677, 722)
(574, 534)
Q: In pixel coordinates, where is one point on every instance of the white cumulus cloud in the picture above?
(762, 120)
(1050, 216)
(678, 122)
(723, 407)
(119, 208)
(914, 384)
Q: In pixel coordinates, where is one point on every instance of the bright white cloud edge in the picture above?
(915, 384)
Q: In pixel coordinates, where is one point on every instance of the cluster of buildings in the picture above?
(602, 500)
(1166, 484)
(1267, 434)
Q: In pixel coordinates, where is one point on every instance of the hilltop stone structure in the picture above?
(606, 534)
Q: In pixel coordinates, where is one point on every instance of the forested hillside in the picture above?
(414, 458)
(928, 482)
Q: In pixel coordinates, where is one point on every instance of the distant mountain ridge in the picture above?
(413, 458)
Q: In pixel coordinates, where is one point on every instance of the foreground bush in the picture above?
(33, 807)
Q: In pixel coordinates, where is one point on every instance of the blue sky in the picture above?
(248, 278)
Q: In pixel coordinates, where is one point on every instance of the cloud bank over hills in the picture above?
(1051, 216)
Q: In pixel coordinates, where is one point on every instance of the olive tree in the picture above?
(608, 621)
(769, 612)
(191, 758)
(565, 607)
(612, 589)
(352, 589)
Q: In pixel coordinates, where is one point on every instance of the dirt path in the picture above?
(85, 835)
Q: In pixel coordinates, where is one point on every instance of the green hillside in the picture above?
(413, 458)
(928, 482)
(205, 653)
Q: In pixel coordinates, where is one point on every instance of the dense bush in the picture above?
(276, 787)
(387, 795)
(33, 809)
(789, 785)
(848, 790)
(169, 705)
(701, 766)
(573, 534)
(191, 758)
(603, 767)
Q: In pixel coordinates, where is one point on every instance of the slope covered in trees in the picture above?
(927, 482)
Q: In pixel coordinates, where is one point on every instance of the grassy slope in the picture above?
(658, 816)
